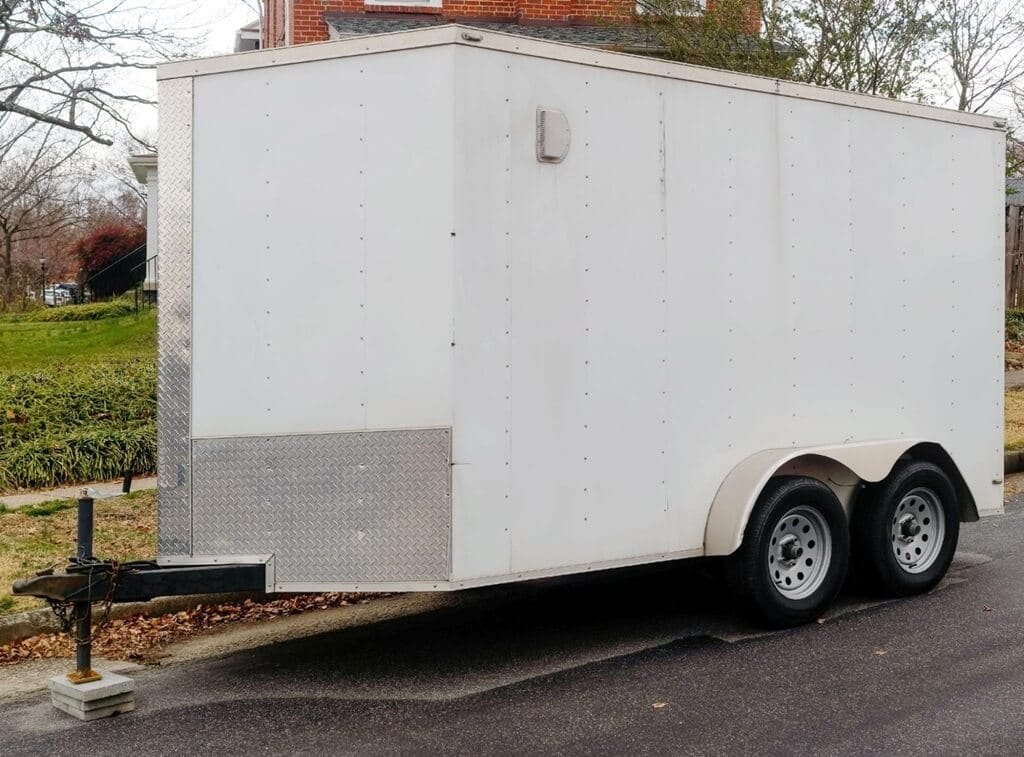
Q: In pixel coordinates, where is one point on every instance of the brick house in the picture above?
(603, 23)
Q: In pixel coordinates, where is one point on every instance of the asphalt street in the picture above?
(644, 661)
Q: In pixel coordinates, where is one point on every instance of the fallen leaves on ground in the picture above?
(1013, 484)
(138, 637)
(1013, 355)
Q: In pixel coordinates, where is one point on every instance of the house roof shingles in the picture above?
(630, 37)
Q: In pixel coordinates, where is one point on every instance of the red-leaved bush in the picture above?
(106, 244)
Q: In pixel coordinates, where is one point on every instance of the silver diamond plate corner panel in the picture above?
(174, 319)
(351, 507)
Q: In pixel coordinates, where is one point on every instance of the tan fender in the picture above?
(870, 461)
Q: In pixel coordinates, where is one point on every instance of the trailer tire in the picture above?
(795, 552)
(905, 529)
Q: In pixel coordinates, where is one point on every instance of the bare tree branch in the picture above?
(982, 44)
(878, 47)
(39, 187)
(60, 60)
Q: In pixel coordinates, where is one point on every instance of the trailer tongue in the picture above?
(109, 581)
(87, 579)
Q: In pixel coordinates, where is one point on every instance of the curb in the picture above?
(101, 490)
(22, 625)
(1013, 462)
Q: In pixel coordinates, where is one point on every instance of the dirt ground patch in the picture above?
(1014, 412)
(43, 535)
(1014, 484)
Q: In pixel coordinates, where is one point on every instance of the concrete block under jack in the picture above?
(94, 704)
(110, 695)
(97, 713)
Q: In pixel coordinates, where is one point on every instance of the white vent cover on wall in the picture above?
(552, 135)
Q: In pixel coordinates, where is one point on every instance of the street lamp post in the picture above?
(42, 281)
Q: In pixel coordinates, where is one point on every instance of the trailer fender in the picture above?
(734, 501)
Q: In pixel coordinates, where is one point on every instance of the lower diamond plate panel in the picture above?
(353, 507)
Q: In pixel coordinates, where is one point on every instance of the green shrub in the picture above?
(1015, 324)
(83, 454)
(94, 311)
(64, 424)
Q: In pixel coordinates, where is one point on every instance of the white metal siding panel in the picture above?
(831, 276)
(408, 227)
(724, 273)
(835, 304)
(481, 439)
(322, 246)
(560, 398)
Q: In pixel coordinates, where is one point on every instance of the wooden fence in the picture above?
(1015, 256)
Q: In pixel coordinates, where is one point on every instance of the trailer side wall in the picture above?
(711, 272)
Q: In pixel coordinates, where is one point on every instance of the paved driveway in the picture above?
(650, 661)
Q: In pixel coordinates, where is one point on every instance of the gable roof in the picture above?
(341, 25)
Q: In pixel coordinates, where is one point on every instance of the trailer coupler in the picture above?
(86, 580)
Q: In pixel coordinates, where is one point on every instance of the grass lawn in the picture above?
(33, 345)
(42, 535)
(77, 397)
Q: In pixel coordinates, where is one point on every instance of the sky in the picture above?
(224, 18)
(215, 21)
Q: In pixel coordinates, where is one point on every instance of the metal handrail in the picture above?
(115, 262)
(144, 262)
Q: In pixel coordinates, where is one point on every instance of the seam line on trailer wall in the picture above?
(666, 371)
(364, 167)
(510, 243)
(453, 240)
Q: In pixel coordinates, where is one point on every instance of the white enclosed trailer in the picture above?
(449, 307)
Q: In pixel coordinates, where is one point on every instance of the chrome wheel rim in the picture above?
(800, 552)
(917, 530)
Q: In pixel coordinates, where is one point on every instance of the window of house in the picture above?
(682, 7)
(414, 3)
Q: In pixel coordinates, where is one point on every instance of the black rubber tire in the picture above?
(874, 563)
(749, 573)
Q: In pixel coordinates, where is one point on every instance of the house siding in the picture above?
(308, 23)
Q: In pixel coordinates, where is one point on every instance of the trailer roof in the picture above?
(458, 34)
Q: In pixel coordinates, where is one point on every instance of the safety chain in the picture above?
(64, 610)
(64, 613)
